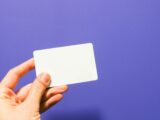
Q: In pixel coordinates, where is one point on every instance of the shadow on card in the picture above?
(89, 114)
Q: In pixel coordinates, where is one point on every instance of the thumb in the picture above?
(38, 88)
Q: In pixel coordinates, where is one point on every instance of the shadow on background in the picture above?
(89, 114)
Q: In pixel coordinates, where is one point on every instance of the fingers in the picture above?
(38, 88)
(52, 96)
(13, 76)
(53, 91)
(50, 102)
(6, 93)
(23, 92)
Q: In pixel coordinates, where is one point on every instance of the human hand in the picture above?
(28, 102)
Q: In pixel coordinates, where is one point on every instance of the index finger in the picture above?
(13, 76)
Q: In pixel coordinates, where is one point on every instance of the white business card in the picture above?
(67, 65)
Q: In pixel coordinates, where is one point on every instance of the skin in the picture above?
(30, 101)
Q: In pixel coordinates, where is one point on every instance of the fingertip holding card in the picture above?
(68, 64)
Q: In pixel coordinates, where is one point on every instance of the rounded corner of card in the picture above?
(34, 52)
(96, 77)
(91, 44)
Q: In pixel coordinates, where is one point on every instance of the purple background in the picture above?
(126, 36)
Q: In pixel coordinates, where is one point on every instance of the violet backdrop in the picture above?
(126, 37)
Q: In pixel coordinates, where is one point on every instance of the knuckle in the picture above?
(39, 85)
(14, 72)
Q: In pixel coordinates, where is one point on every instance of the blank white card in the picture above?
(67, 65)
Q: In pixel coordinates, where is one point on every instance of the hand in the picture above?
(31, 100)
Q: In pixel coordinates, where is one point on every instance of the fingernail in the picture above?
(61, 89)
(45, 78)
